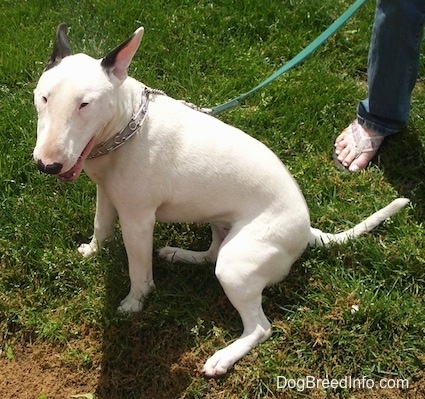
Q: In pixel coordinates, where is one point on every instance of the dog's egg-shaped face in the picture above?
(73, 100)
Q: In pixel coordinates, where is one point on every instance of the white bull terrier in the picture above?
(179, 165)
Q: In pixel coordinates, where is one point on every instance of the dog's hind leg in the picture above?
(249, 258)
(176, 255)
(244, 292)
(244, 268)
(104, 223)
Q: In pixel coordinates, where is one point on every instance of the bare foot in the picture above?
(356, 146)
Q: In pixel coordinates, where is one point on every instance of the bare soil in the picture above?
(45, 371)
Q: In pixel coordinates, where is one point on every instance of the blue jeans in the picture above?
(392, 65)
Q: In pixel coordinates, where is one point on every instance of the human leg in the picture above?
(392, 72)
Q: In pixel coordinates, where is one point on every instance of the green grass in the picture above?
(209, 52)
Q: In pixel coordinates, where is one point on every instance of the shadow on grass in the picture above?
(402, 160)
(158, 353)
(142, 364)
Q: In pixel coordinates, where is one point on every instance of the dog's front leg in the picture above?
(138, 239)
(104, 223)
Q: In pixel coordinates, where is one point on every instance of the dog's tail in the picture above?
(319, 238)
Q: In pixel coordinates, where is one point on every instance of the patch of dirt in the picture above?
(58, 372)
(38, 371)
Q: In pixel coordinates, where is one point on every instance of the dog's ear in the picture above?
(119, 59)
(61, 47)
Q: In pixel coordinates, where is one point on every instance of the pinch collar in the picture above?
(129, 130)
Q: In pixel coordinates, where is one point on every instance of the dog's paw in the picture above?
(169, 254)
(218, 364)
(87, 250)
(179, 255)
(130, 305)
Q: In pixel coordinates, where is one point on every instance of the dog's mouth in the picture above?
(73, 173)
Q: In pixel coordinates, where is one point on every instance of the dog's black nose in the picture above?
(51, 169)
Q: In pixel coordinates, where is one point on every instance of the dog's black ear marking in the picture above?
(109, 61)
(61, 47)
(116, 63)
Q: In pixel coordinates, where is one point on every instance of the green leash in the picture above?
(294, 61)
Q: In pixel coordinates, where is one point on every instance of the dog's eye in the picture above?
(44, 99)
(82, 105)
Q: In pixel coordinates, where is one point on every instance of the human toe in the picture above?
(356, 146)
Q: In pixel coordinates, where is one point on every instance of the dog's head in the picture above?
(76, 98)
